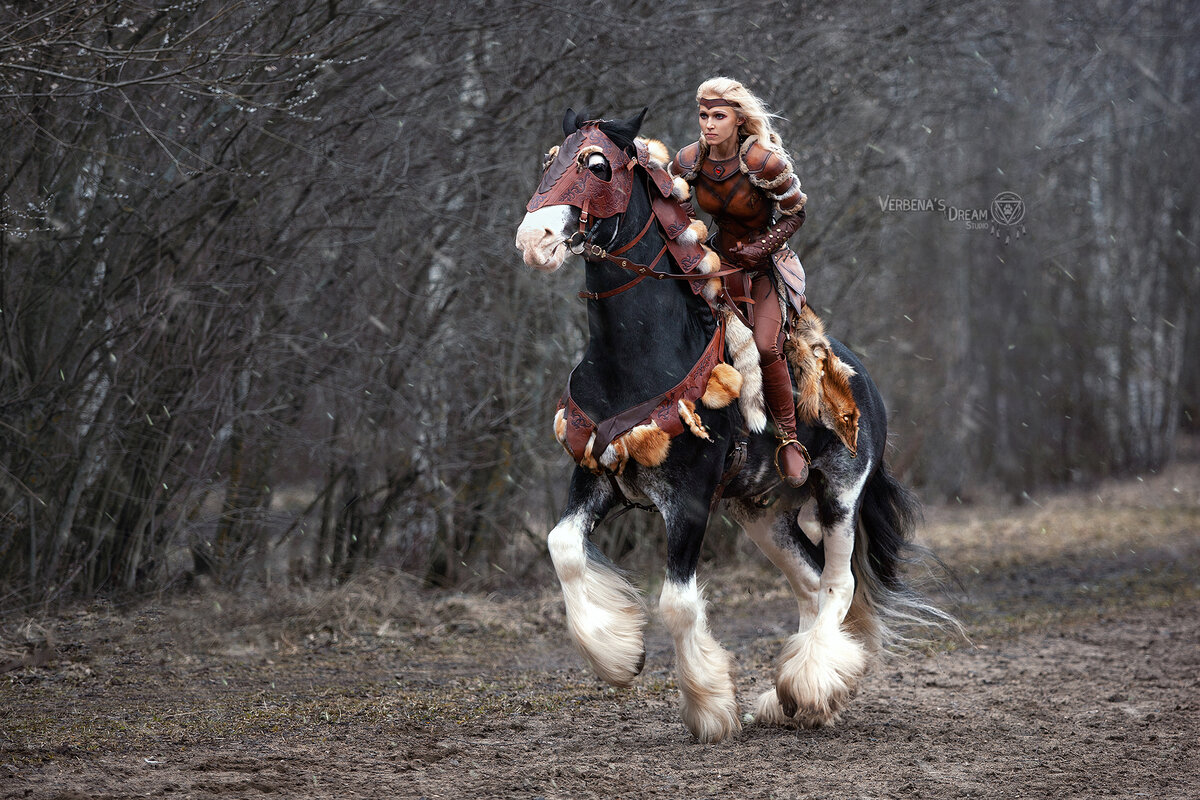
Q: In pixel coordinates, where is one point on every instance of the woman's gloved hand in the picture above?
(752, 254)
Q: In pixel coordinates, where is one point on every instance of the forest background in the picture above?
(261, 317)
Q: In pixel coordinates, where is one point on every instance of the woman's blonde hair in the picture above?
(758, 118)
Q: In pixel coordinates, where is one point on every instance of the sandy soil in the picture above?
(1082, 680)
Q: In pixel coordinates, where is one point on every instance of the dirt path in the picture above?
(1083, 681)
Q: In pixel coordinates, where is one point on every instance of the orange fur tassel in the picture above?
(560, 427)
(647, 444)
(687, 412)
(724, 386)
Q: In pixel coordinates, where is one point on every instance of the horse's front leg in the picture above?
(703, 668)
(605, 613)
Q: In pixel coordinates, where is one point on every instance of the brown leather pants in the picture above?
(768, 318)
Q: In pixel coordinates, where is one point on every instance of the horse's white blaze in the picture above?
(604, 613)
(542, 237)
(703, 667)
(819, 668)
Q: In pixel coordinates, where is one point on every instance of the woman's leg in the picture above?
(790, 458)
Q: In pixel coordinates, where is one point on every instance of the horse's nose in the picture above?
(536, 243)
(537, 247)
(540, 237)
(533, 237)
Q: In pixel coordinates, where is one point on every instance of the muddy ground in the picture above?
(1081, 680)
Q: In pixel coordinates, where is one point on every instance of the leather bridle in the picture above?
(566, 180)
(580, 244)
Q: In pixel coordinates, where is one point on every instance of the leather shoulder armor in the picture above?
(685, 162)
(771, 170)
(766, 167)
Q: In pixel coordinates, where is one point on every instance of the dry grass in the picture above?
(1120, 543)
(1123, 514)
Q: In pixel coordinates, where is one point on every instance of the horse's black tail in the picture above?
(885, 604)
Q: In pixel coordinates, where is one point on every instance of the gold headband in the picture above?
(713, 102)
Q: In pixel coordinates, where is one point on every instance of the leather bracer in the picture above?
(754, 253)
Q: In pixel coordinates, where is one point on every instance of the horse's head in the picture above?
(590, 175)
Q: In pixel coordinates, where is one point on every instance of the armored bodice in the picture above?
(742, 193)
(740, 210)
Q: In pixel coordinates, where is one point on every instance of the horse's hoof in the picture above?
(713, 724)
(812, 720)
(818, 674)
(788, 703)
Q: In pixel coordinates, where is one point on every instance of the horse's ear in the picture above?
(573, 120)
(624, 131)
(635, 123)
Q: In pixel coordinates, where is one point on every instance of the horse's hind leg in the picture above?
(781, 539)
(604, 612)
(819, 669)
(704, 669)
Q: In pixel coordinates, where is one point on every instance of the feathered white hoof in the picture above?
(605, 613)
(710, 708)
(818, 674)
(703, 668)
(606, 625)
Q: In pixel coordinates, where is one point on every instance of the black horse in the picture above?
(644, 338)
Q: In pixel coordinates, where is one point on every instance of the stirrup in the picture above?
(803, 451)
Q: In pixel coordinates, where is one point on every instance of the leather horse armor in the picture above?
(568, 181)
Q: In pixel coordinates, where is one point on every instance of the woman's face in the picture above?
(718, 125)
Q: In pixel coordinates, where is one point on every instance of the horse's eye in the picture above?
(599, 167)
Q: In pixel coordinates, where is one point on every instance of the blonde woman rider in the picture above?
(742, 177)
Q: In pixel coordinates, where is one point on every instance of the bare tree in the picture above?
(259, 307)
